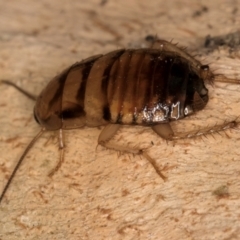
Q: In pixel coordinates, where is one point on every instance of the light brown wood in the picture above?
(98, 193)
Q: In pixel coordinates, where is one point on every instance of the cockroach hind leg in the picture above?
(61, 157)
(165, 131)
(109, 131)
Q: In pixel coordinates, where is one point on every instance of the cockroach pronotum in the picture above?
(149, 87)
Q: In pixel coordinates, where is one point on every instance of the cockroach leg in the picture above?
(165, 131)
(223, 79)
(153, 162)
(109, 131)
(23, 91)
(61, 149)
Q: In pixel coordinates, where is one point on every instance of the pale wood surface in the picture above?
(99, 194)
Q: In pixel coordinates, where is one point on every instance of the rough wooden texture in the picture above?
(101, 194)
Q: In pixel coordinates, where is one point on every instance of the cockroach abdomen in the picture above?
(136, 86)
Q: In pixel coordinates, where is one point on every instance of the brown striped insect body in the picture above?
(149, 87)
(143, 87)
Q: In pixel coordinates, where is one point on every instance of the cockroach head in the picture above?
(206, 74)
(197, 93)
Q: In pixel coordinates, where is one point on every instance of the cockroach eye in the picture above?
(205, 67)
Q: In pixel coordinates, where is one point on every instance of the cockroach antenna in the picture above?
(30, 145)
(224, 79)
(32, 97)
(26, 93)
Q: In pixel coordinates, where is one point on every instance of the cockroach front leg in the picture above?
(165, 131)
(61, 149)
(109, 131)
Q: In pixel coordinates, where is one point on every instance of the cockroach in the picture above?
(149, 87)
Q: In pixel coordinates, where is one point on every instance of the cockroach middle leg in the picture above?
(109, 131)
(61, 149)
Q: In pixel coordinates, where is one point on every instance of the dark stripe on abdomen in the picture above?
(82, 88)
(129, 110)
(105, 81)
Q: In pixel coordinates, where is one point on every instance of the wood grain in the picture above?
(98, 193)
